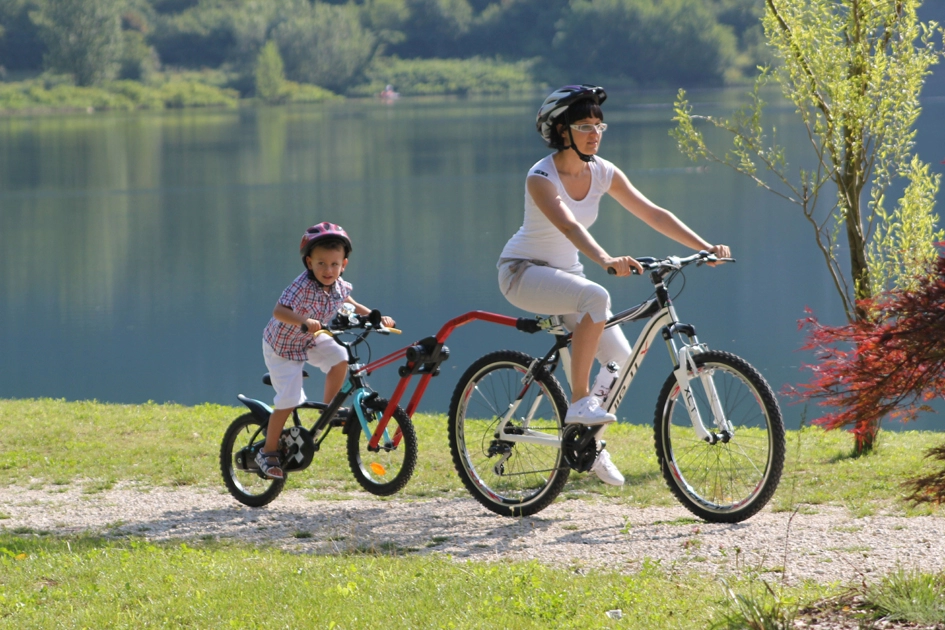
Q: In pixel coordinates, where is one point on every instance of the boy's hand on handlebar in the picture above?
(720, 251)
(622, 266)
(388, 322)
(311, 325)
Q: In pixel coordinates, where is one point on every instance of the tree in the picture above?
(644, 41)
(891, 364)
(270, 76)
(83, 38)
(434, 28)
(854, 70)
(325, 46)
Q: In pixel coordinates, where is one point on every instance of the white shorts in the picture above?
(551, 291)
(286, 374)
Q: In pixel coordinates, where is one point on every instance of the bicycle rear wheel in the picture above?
(509, 478)
(387, 469)
(246, 483)
(725, 482)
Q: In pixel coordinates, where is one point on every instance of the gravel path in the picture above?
(825, 546)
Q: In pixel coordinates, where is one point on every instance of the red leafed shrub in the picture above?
(890, 365)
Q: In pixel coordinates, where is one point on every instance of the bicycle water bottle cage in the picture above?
(424, 357)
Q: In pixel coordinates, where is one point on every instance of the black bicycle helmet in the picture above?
(557, 104)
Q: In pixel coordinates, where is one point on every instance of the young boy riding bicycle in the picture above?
(289, 342)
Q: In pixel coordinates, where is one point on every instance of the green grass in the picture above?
(90, 582)
(426, 77)
(36, 96)
(48, 580)
(97, 445)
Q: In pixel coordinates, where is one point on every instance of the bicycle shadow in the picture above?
(458, 527)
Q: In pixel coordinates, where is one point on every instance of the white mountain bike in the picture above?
(718, 428)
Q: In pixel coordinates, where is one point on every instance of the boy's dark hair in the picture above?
(329, 243)
(585, 108)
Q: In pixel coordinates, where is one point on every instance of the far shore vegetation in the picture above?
(91, 55)
(123, 55)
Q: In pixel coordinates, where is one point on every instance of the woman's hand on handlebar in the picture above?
(622, 266)
(388, 322)
(720, 251)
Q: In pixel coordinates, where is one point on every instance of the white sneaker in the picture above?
(605, 469)
(588, 411)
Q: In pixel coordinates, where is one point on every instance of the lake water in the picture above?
(141, 254)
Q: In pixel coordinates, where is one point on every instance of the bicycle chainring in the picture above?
(298, 448)
(579, 446)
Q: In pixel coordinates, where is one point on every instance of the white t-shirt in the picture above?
(538, 238)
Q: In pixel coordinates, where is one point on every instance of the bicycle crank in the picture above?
(579, 446)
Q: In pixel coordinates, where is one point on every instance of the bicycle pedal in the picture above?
(340, 417)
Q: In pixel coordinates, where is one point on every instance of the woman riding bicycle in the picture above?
(539, 270)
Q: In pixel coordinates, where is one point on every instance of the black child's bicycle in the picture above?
(381, 441)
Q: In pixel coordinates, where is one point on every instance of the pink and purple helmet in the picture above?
(559, 100)
(321, 233)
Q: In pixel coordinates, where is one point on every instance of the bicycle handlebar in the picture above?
(673, 262)
(372, 321)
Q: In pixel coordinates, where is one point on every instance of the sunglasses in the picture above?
(600, 128)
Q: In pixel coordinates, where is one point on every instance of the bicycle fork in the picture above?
(385, 441)
(685, 365)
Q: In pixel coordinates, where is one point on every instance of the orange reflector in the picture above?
(378, 470)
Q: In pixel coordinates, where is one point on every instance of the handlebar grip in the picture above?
(613, 272)
(396, 331)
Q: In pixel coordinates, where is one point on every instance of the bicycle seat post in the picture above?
(554, 324)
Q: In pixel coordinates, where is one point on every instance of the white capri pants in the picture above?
(286, 374)
(551, 291)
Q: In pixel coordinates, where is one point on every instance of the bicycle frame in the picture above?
(663, 322)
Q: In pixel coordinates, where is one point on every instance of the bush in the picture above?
(304, 93)
(189, 94)
(114, 95)
(413, 77)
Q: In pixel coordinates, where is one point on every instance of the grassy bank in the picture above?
(50, 443)
(80, 581)
(50, 94)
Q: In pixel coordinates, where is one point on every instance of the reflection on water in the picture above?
(141, 255)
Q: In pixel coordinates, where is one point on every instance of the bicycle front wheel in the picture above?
(509, 478)
(729, 481)
(386, 469)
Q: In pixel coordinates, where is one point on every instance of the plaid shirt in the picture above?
(306, 298)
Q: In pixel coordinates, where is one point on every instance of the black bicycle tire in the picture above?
(549, 492)
(408, 443)
(764, 490)
(227, 450)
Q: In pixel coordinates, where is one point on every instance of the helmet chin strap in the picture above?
(584, 157)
